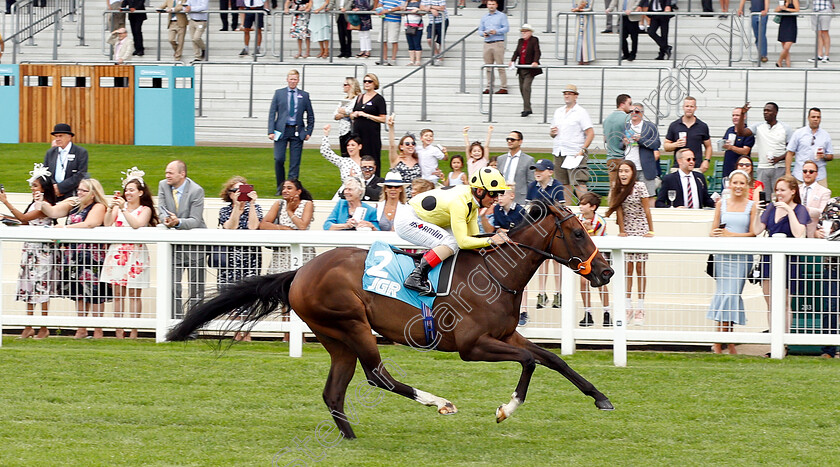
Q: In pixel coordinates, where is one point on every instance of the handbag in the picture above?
(411, 30)
(754, 276)
(710, 265)
(777, 19)
(217, 257)
(354, 22)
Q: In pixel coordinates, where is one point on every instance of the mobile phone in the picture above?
(244, 189)
(116, 193)
(2, 188)
(722, 225)
(165, 211)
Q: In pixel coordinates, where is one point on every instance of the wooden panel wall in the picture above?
(97, 115)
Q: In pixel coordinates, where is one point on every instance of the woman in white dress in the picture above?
(345, 108)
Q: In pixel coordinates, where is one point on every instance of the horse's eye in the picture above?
(579, 233)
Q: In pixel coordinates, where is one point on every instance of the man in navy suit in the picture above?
(67, 162)
(285, 126)
(689, 185)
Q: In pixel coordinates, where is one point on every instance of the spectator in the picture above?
(403, 156)
(300, 24)
(457, 176)
(257, 18)
(585, 38)
(229, 5)
(285, 126)
(641, 146)
(181, 207)
(787, 31)
(493, 162)
(351, 213)
(135, 20)
(547, 189)
(630, 202)
(478, 156)
(527, 53)
(690, 132)
(814, 196)
(831, 296)
(393, 195)
(36, 278)
(734, 216)
(176, 24)
(347, 166)
(757, 188)
(414, 31)
(493, 28)
(629, 26)
(572, 131)
(243, 213)
(660, 23)
(345, 35)
(516, 166)
(127, 266)
(429, 155)
(734, 145)
(391, 25)
(81, 262)
(294, 212)
(690, 186)
(197, 13)
(368, 115)
(420, 185)
(771, 139)
(345, 108)
(373, 190)
(365, 26)
(821, 24)
(809, 143)
(319, 27)
(759, 24)
(67, 162)
(123, 45)
(117, 20)
(438, 25)
(613, 127)
(609, 28)
(595, 226)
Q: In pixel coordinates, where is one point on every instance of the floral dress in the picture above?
(366, 20)
(127, 264)
(37, 275)
(281, 259)
(300, 21)
(242, 261)
(408, 174)
(635, 221)
(81, 266)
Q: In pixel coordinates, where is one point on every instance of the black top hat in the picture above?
(62, 128)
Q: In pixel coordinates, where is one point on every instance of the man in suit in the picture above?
(67, 162)
(135, 20)
(527, 53)
(629, 26)
(181, 207)
(285, 126)
(372, 181)
(814, 196)
(515, 166)
(176, 24)
(123, 45)
(689, 185)
(641, 146)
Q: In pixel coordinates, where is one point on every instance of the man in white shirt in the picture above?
(814, 196)
(515, 166)
(771, 139)
(809, 143)
(572, 131)
(197, 12)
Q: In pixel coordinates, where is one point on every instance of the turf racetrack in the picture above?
(108, 402)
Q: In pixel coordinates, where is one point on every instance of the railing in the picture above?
(28, 20)
(798, 14)
(677, 296)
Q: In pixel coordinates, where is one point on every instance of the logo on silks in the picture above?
(427, 229)
(384, 287)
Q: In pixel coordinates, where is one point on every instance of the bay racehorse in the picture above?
(477, 319)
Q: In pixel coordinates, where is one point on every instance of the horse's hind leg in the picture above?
(342, 368)
(551, 360)
(490, 349)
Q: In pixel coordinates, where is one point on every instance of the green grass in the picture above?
(108, 402)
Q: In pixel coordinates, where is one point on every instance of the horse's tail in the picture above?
(258, 295)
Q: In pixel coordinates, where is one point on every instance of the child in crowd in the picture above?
(595, 226)
(547, 189)
(428, 155)
(493, 162)
(478, 156)
(630, 202)
(457, 176)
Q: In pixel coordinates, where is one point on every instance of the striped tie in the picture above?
(690, 202)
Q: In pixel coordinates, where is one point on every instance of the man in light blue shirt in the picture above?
(809, 143)
(493, 28)
(197, 12)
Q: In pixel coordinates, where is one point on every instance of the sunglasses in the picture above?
(346, 84)
(409, 143)
(809, 171)
(397, 187)
(813, 139)
(367, 80)
(511, 139)
(690, 159)
(637, 112)
(232, 190)
(368, 169)
(745, 164)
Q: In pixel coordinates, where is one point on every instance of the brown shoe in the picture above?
(486, 91)
(502, 91)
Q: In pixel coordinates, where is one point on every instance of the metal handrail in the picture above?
(797, 14)
(56, 22)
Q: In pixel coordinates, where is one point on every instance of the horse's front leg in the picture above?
(551, 360)
(489, 349)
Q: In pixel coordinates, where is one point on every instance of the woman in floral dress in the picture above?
(300, 24)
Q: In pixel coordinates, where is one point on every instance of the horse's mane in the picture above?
(537, 211)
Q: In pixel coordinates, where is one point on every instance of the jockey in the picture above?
(445, 220)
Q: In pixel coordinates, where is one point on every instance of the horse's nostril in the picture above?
(608, 273)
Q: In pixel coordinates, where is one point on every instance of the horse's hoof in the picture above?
(500, 415)
(604, 404)
(448, 409)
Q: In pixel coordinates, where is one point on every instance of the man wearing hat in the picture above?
(572, 131)
(527, 53)
(67, 162)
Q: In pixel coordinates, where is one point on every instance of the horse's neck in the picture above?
(513, 264)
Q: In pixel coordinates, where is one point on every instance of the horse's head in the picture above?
(557, 231)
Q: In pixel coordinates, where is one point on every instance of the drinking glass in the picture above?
(672, 195)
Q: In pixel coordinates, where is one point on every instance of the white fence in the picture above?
(677, 295)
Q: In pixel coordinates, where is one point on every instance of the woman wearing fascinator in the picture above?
(127, 265)
(36, 279)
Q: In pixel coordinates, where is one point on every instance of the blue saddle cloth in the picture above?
(385, 272)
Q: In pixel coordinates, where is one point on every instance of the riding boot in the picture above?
(418, 280)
